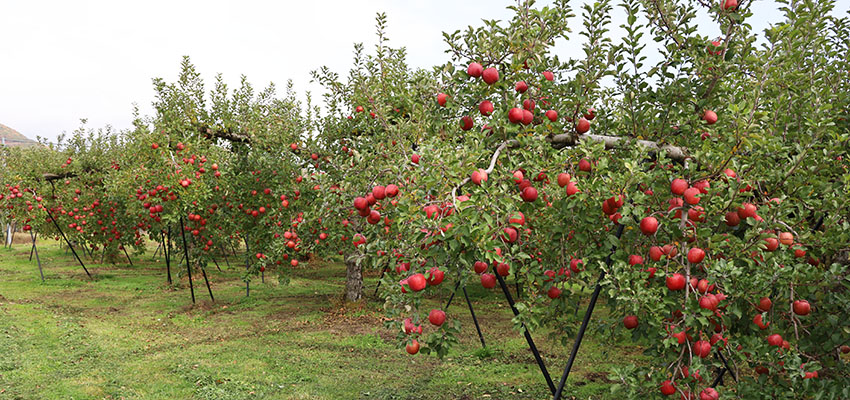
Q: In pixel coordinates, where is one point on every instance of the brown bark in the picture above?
(353, 279)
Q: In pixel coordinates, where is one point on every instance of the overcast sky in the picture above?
(61, 61)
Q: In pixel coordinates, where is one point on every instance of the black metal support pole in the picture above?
(383, 271)
(586, 319)
(474, 319)
(224, 254)
(56, 224)
(186, 254)
(216, 264)
(457, 285)
(247, 266)
(33, 245)
(167, 253)
(725, 368)
(40, 271)
(128, 256)
(719, 378)
(207, 281)
(155, 252)
(527, 335)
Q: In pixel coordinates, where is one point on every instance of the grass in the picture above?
(126, 334)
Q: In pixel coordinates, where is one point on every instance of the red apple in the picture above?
(490, 75)
(649, 225)
(710, 117)
(582, 126)
(437, 317)
(696, 255)
(676, 282)
(486, 108)
(442, 98)
(413, 347)
(416, 282)
(521, 86)
(630, 322)
(802, 307)
(475, 70)
(488, 281)
(515, 115)
(552, 115)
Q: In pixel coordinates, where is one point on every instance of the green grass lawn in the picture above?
(126, 334)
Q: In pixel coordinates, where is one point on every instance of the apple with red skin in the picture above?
(702, 349)
(528, 104)
(710, 117)
(521, 86)
(435, 276)
(379, 192)
(478, 176)
(709, 394)
(675, 282)
(582, 126)
(678, 186)
(529, 194)
(553, 292)
(527, 117)
(667, 388)
(414, 158)
(475, 70)
(692, 196)
(154, 146)
(774, 340)
(729, 5)
(696, 255)
(391, 190)
(845, 349)
(630, 322)
(488, 281)
(416, 282)
(479, 267)
(517, 218)
(648, 226)
(572, 188)
(437, 317)
(563, 179)
(801, 307)
(549, 75)
(732, 218)
(486, 108)
(503, 269)
(413, 347)
(510, 235)
(490, 75)
(771, 244)
(466, 123)
(442, 98)
(515, 115)
(584, 165)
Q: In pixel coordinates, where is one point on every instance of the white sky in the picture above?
(65, 60)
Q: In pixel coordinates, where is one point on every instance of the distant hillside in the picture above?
(14, 138)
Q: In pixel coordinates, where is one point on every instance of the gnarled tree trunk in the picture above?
(353, 279)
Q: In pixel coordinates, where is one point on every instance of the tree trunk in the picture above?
(353, 280)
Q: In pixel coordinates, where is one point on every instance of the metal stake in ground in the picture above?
(33, 244)
(186, 254)
(167, 253)
(40, 271)
(56, 224)
(384, 271)
(128, 255)
(247, 266)
(471, 311)
(586, 319)
(527, 335)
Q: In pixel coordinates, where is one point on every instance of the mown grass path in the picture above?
(129, 335)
